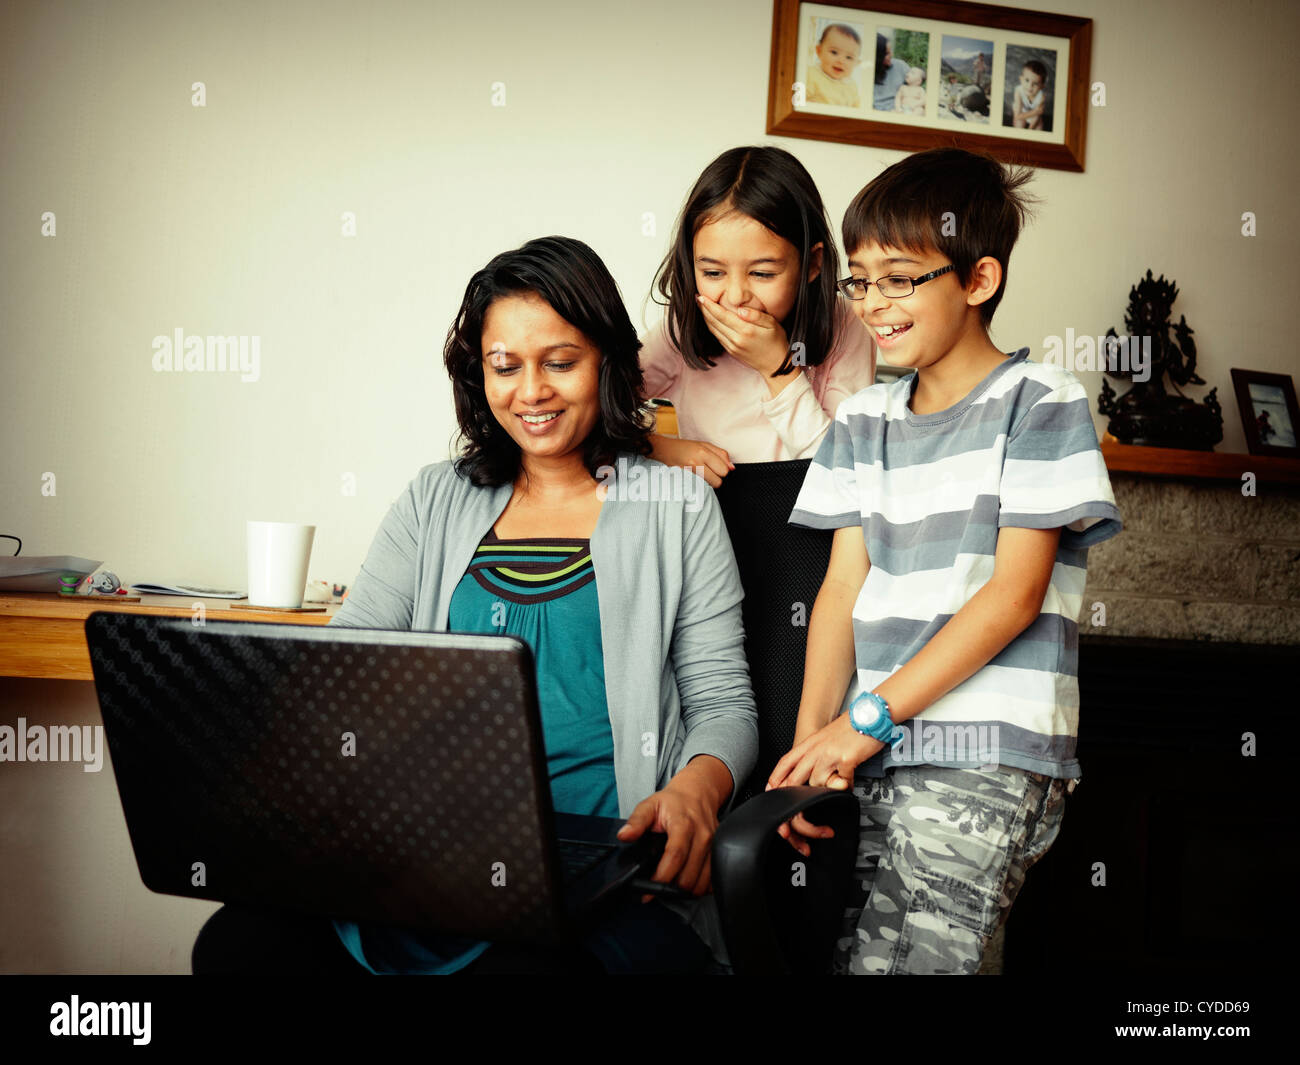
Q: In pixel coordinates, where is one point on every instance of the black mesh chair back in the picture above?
(781, 568)
(780, 913)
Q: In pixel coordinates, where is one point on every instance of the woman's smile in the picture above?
(540, 375)
(541, 423)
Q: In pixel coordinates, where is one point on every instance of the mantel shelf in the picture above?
(1208, 465)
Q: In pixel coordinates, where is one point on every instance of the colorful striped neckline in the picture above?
(532, 569)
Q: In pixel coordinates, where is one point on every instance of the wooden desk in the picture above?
(44, 635)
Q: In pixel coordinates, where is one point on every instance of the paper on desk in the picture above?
(194, 591)
(41, 573)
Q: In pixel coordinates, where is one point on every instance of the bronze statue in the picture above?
(1147, 415)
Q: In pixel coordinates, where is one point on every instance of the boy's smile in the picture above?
(914, 330)
(937, 329)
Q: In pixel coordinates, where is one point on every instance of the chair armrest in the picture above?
(775, 917)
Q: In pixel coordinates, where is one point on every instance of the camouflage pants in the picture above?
(942, 854)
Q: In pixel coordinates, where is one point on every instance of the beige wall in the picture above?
(226, 220)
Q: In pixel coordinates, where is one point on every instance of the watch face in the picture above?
(867, 713)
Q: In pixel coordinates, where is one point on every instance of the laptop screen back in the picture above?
(364, 774)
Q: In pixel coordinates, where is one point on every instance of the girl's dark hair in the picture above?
(570, 277)
(882, 42)
(772, 187)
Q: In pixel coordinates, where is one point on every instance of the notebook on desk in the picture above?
(397, 777)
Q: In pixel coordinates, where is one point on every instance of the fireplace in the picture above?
(1176, 854)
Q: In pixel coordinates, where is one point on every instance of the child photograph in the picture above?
(1030, 83)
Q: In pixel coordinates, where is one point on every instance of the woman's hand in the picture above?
(754, 337)
(686, 809)
(707, 460)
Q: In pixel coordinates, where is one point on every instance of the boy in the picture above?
(1028, 101)
(964, 498)
(831, 80)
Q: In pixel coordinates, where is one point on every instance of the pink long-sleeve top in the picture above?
(730, 406)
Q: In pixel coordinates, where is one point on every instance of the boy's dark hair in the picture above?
(845, 29)
(905, 206)
(1038, 68)
(772, 187)
(570, 277)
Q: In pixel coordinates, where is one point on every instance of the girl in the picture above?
(756, 349)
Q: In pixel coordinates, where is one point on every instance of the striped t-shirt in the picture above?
(931, 492)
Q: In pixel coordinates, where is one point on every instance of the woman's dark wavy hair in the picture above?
(570, 277)
(772, 187)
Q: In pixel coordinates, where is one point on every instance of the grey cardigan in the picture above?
(676, 679)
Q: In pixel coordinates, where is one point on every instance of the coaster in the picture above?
(99, 597)
(309, 608)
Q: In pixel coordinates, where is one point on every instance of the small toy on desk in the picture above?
(103, 583)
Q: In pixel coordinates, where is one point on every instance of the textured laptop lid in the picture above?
(364, 774)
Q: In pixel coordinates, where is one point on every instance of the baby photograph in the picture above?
(833, 66)
(902, 57)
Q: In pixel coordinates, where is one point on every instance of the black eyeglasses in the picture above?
(892, 287)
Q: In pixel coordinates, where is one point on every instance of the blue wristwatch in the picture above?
(869, 714)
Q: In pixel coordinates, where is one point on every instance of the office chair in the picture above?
(781, 913)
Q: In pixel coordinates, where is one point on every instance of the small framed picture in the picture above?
(1268, 412)
(914, 74)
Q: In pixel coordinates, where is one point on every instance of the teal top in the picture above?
(544, 592)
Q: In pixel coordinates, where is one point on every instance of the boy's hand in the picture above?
(755, 338)
(707, 460)
(827, 758)
(799, 830)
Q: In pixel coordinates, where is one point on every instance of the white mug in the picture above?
(278, 554)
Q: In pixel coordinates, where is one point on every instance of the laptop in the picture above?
(371, 775)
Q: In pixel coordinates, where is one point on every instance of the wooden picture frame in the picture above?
(1264, 398)
(1016, 54)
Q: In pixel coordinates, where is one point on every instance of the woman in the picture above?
(890, 74)
(631, 607)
